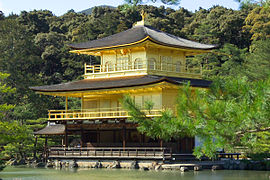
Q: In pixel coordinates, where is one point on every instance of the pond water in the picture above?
(11, 173)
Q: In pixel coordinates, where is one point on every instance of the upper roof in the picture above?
(138, 34)
(119, 82)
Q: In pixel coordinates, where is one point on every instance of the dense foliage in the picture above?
(33, 51)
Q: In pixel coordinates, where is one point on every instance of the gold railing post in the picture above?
(66, 108)
(49, 114)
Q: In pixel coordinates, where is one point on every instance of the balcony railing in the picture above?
(93, 69)
(163, 68)
(92, 114)
(111, 152)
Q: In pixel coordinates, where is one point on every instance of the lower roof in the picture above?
(118, 82)
(57, 129)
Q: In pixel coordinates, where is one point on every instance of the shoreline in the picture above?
(151, 165)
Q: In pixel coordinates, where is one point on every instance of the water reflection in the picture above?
(124, 174)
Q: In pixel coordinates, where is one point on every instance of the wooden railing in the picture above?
(111, 152)
(164, 67)
(92, 69)
(91, 114)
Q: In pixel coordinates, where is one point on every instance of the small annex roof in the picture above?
(57, 129)
(139, 34)
(119, 82)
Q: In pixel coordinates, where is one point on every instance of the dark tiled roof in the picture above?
(119, 82)
(139, 33)
(56, 129)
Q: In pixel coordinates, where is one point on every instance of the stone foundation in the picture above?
(128, 164)
(159, 165)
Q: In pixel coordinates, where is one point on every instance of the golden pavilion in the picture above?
(143, 62)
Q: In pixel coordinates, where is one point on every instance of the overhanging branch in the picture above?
(252, 131)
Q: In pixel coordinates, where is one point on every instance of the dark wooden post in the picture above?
(178, 145)
(35, 148)
(98, 137)
(82, 138)
(66, 136)
(124, 136)
(161, 143)
(45, 149)
(114, 137)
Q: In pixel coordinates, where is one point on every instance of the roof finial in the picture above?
(143, 14)
(142, 22)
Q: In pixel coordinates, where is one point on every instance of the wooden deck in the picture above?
(110, 153)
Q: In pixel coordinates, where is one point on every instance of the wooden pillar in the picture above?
(178, 145)
(66, 136)
(35, 148)
(63, 140)
(82, 138)
(161, 143)
(98, 137)
(66, 107)
(114, 136)
(141, 138)
(124, 136)
(45, 149)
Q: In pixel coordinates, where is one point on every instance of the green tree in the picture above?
(258, 60)
(218, 25)
(137, 2)
(36, 21)
(232, 112)
(257, 23)
(229, 114)
(4, 108)
(161, 128)
(226, 62)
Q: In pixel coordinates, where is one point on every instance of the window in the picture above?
(156, 99)
(138, 63)
(166, 63)
(122, 62)
(107, 67)
(152, 63)
(138, 100)
(178, 66)
(90, 104)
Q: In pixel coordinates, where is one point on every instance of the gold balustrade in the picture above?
(163, 68)
(92, 114)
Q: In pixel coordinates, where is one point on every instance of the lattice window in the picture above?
(138, 64)
(178, 66)
(107, 67)
(166, 63)
(152, 63)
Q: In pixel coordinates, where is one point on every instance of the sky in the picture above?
(60, 7)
